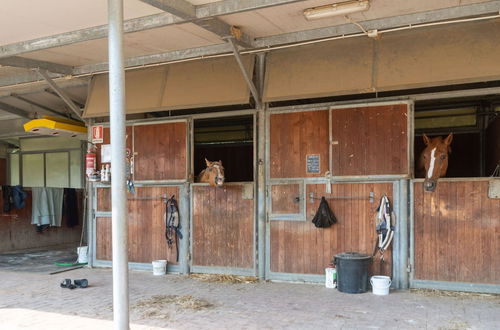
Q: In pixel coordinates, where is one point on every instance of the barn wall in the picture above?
(146, 223)
(17, 232)
(456, 233)
(300, 247)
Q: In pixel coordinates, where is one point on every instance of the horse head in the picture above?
(213, 174)
(434, 159)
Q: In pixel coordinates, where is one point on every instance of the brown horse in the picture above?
(213, 174)
(434, 160)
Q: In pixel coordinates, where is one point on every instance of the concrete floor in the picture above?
(39, 260)
(31, 300)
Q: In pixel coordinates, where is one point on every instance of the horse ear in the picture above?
(448, 139)
(208, 162)
(426, 139)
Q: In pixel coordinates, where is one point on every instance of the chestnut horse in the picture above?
(434, 160)
(213, 174)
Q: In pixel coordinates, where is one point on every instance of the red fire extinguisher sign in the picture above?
(97, 134)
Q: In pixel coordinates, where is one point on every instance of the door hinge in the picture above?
(408, 268)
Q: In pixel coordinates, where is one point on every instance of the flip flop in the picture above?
(83, 283)
(67, 284)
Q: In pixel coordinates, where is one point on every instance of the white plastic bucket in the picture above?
(380, 285)
(330, 277)
(159, 267)
(82, 252)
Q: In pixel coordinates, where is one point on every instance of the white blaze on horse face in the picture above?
(218, 178)
(431, 165)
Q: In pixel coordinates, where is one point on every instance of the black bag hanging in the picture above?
(324, 217)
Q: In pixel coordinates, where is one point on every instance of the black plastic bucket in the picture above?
(352, 271)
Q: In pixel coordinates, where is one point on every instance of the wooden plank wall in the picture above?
(107, 140)
(300, 247)
(457, 233)
(370, 140)
(160, 151)
(295, 135)
(146, 228)
(283, 199)
(103, 200)
(17, 232)
(223, 227)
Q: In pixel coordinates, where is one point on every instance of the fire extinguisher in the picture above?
(90, 161)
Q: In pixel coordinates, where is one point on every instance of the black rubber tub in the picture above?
(352, 272)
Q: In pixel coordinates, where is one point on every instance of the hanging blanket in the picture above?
(47, 206)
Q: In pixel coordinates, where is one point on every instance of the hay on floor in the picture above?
(455, 294)
(224, 278)
(161, 301)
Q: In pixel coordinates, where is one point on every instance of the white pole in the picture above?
(118, 192)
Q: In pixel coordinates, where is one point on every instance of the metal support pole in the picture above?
(251, 85)
(402, 238)
(184, 242)
(261, 174)
(118, 192)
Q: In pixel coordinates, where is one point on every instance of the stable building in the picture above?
(296, 108)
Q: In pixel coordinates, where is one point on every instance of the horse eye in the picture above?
(443, 157)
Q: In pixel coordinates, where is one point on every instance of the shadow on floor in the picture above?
(38, 261)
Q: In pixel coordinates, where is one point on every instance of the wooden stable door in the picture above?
(223, 228)
(146, 225)
(456, 232)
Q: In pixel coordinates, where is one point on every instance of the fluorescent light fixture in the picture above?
(336, 9)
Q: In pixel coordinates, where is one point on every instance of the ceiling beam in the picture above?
(179, 8)
(225, 7)
(187, 11)
(248, 79)
(14, 110)
(229, 7)
(51, 92)
(38, 86)
(21, 62)
(93, 33)
(172, 56)
(38, 105)
(62, 94)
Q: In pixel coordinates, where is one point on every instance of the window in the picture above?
(59, 165)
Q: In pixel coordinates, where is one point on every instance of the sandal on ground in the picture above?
(83, 283)
(67, 284)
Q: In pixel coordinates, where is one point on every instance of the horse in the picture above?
(213, 174)
(434, 160)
